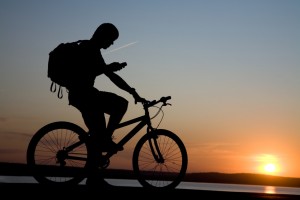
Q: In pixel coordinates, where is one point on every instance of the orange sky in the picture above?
(231, 67)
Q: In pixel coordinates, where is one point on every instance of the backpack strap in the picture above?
(60, 92)
(53, 89)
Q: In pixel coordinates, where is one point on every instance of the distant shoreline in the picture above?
(18, 169)
(243, 178)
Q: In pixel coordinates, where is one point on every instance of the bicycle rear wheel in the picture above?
(49, 158)
(153, 171)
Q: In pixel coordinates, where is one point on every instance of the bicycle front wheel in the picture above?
(57, 155)
(160, 160)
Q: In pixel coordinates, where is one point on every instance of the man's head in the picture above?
(105, 35)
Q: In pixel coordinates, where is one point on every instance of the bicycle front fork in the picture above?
(153, 143)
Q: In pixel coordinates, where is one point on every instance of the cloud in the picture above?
(10, 151)
(3, 119)
(14, 133)
(122, 47)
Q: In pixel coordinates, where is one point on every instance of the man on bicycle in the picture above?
(91, 102)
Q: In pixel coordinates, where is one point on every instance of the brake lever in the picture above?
(167, 104)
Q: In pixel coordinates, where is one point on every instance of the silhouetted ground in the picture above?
(38, 191)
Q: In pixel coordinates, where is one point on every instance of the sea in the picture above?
(183, 185)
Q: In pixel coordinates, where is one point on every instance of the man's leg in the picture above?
(116, 107)
(96, 125)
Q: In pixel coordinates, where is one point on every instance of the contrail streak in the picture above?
(122, 47)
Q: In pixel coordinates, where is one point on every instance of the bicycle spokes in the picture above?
(160, 161)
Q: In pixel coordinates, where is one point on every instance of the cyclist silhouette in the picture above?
(92, 103)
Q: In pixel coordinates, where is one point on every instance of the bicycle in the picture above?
(58, 152)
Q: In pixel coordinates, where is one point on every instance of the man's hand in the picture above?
(137, 97)
(115, 66)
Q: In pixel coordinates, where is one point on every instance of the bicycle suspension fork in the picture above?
(154, 146)
(153, 143)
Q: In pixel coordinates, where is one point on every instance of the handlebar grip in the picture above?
(168, 97)
(164, 99)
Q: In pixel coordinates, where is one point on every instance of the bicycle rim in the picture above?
(155, 174)
(48, 165)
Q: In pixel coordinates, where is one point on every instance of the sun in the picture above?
(270, 168)
(268, 164)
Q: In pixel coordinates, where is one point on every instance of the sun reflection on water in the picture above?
(270, 190)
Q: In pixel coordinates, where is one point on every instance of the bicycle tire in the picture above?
(165, 175)
(42, 154)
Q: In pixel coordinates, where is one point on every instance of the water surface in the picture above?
(183, 185)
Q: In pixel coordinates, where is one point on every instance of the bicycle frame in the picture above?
(143, 121)
(61, 152)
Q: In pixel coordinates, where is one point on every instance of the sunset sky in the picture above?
(232, 68)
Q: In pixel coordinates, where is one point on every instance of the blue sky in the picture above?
(231, 67)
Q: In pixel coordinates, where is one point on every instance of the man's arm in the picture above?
(118, 81)
(112, 67)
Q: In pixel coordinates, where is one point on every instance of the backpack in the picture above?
(63, 66)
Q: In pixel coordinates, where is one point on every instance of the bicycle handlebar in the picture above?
(162, 100)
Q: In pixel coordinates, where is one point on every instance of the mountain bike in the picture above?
(58, 152)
